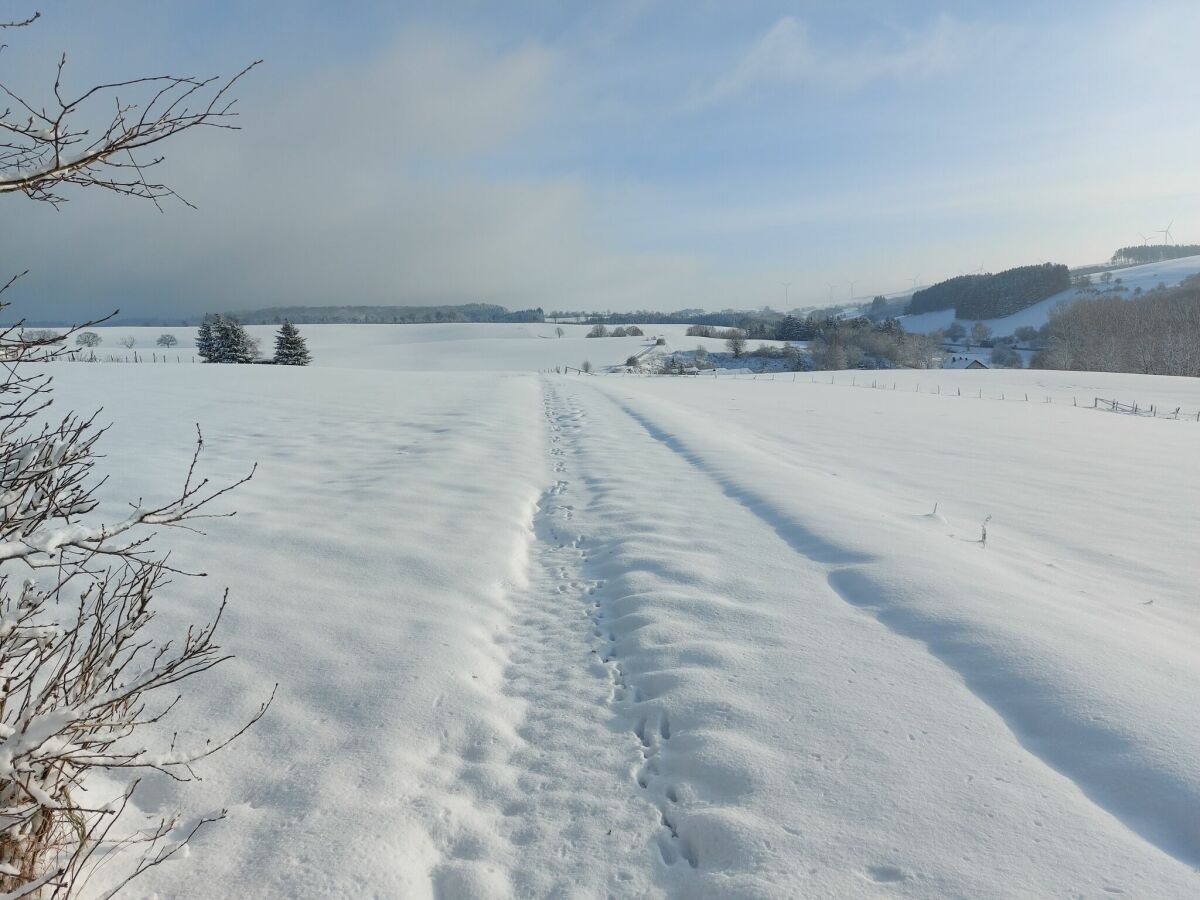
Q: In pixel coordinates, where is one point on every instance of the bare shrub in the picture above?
(84, 677)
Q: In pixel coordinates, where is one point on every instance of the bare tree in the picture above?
(48, 146)
(83, 678)
(736, 343)
(128, 342)
(88, 339)
(167, 340)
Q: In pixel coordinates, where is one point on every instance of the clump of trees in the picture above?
(993, 296)
(1004, 356)
(599, 331)
(1150, 253)
(1156, 334)
(84, 670)
(710, 331)
(860, 343)
(290, 346)
(223, 339)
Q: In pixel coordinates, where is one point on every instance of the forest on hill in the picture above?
(993, 296)
(1152, 253)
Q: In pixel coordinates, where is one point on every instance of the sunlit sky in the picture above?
(620, 155)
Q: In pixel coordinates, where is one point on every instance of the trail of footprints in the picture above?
(652, 728)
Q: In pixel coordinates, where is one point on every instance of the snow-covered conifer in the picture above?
(290, 347)
(206, 342)
(233, 344)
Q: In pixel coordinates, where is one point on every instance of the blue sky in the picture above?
(627, 154)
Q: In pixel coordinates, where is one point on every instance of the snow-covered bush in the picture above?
(84, 679)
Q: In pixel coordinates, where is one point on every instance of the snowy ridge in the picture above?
(1147, 277)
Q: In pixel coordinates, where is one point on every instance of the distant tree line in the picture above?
(1156, 334)
(642, 316)
(385, 315)
(1152, 253)
(761, 324)
(993, 296)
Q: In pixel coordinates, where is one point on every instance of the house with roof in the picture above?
(963, 362)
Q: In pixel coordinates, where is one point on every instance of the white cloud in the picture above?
(367, 184)
(788, 55)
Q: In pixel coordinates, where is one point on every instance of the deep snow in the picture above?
(541, 635)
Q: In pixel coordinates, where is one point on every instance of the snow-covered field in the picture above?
(1146, 277)
(457, 347)
(566, 636)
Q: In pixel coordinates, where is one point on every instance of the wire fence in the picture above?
(133, 356)
(935, 389)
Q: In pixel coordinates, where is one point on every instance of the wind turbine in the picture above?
(1168, 238)
(831, 287)
(786, 285)
(915, 279)
(852, 284)
(1145, 240)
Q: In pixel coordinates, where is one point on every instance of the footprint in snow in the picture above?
(886, 874)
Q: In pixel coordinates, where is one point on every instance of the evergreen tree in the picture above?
(234, 345)
(224, 340)
(290, 348)
(206, 342)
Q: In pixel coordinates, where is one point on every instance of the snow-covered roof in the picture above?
(964, 362)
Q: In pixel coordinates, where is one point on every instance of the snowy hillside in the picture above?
(1147, 277)
(643, 637)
